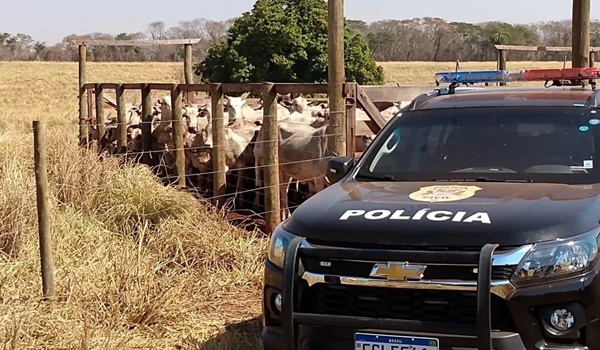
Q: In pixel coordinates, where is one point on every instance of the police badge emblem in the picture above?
(448, 193)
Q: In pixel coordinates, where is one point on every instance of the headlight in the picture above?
(557, 259)
(279, 243)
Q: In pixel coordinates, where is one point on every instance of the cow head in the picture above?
(234, 105)
(134, 115)
(156, 110)
(284, 98)
(165, 107)
(191, 115)
(363, 141)
(287, 104)
(202, 145)
(134, 138)
(321, 117)
(299, 104)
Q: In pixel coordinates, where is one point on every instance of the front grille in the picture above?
(433, 272)
(407, 304)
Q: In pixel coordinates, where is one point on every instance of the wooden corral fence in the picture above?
(85, 93)
(354, 95)
(503, 49)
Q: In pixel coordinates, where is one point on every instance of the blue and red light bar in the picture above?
(504, 76)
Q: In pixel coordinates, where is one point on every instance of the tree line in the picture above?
(417, 39)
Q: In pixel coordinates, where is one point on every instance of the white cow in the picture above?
(236, 107)
(238, 155)
(303, 156)
(282, 110)
(194, 118)
(295, 117)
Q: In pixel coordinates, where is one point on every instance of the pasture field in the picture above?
(423, 72)
(138, 265)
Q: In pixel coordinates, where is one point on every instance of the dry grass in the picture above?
(423, 72)
(138, 265)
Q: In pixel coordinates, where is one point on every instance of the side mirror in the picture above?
(338, 167)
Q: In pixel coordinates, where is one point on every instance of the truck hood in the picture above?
(425, 214)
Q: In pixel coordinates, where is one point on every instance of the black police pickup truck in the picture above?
(471, 222)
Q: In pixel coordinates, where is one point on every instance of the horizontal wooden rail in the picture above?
(133, 86)
(541, 48)
(161, 86)
(194, 87)
(228, 88)
(86, 42)
(139, 86)
(307, 88)
(238, 88)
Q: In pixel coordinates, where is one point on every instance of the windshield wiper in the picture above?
(386, 177)
(485, 179)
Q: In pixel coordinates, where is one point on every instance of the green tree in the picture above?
(500, 37)
(285, 41)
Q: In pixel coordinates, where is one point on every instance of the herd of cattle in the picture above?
(302, 145)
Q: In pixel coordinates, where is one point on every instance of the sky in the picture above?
(51, 20)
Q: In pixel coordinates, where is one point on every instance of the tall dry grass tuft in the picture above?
(17, 195)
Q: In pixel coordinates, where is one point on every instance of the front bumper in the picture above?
(307, 331)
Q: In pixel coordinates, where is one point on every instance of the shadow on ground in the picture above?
(237, 336)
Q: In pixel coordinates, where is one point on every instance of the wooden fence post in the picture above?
(187, 71)
(580, 33)
(218, 141)
(271, 158)
(337, 107)
(121, 120)
(177, 134)
(146, 125)
(43, 209)
(502, 62)
(101, 124)
(83, 113)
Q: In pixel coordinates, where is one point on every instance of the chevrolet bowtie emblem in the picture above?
(398, 271)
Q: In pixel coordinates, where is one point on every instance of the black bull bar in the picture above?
(290, 318)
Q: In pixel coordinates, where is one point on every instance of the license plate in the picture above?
(367, 341)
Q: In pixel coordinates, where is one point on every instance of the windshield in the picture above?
(536, 144)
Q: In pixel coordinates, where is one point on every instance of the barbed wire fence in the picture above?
(241, 190)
